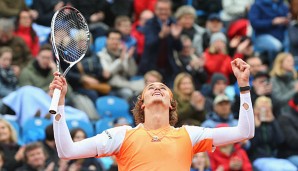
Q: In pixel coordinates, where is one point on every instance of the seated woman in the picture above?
(191, 103)
(268, 137)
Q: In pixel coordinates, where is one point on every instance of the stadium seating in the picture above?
(34, 129)
(87, 127)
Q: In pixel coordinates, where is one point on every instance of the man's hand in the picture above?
(60, 83)
(241, 72)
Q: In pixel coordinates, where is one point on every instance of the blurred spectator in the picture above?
(87, 78)
(186, 16)
(222, 113)
(161, 39)
(123, 25)
(284, 80)
(137, 32)
(39, 71)
(189, 62)
(229, 157)
(200, 162)
(217, 86)
(8, 79)
(205, 8)
(13, 152)
(213, 25)
(191, 103)
(88, 164)
(119, 66)
(21, 52)
(35, 158)
(45, 10)
(216, 54)
(269, 19)
(233, 10)
(268, 136)
(50, 145)
(293, 28)
(288, 123)
(25, 31)
(93, 11)
(11, 9)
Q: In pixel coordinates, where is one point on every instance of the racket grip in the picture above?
(55, 101)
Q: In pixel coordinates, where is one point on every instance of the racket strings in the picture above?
(70, 34)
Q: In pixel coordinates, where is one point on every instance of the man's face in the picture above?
(163, 10)
(214, 25)
(157, 93)
(36, 157)
(219, 87)
(113, 41)
(223, 109)
(6, 36)
(186, 21)
(124, 27)
(255, 65)
(45, 58)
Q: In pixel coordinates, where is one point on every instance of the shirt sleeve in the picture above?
(104, 144)
(201, 138)
(245, 128)
(205, 139)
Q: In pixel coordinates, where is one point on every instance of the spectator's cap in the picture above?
(222, 125)
(217, 77)
(214, 16)
(262, 74)
(218, 36)
(221, 98)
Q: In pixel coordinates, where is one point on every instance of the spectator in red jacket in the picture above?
(216, 54)
(25, 31)
(229, 157)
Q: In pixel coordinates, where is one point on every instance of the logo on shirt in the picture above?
(108, 134)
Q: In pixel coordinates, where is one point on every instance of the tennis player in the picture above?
(154, 144)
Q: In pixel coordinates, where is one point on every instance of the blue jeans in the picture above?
(268, 43)
(273, 164)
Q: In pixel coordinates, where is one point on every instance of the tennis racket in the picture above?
(70, 38)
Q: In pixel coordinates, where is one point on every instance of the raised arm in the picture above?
(104, 144)
(245, 128)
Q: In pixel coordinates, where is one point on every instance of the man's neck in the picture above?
(156, 117)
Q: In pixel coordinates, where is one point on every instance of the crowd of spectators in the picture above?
(186, 44)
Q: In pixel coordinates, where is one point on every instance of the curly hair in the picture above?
(139, 114)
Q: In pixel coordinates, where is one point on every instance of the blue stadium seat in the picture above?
(34, 129)
(103, 124)
(112, 106)
(87, 127)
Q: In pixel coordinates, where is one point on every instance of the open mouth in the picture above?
(157, 94)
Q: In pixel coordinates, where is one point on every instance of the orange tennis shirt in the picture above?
(135, 150)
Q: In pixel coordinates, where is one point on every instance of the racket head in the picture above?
(69, 35)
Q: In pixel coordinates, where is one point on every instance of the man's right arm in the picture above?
(104, 144)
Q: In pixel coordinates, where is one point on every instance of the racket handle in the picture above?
(55, 101)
